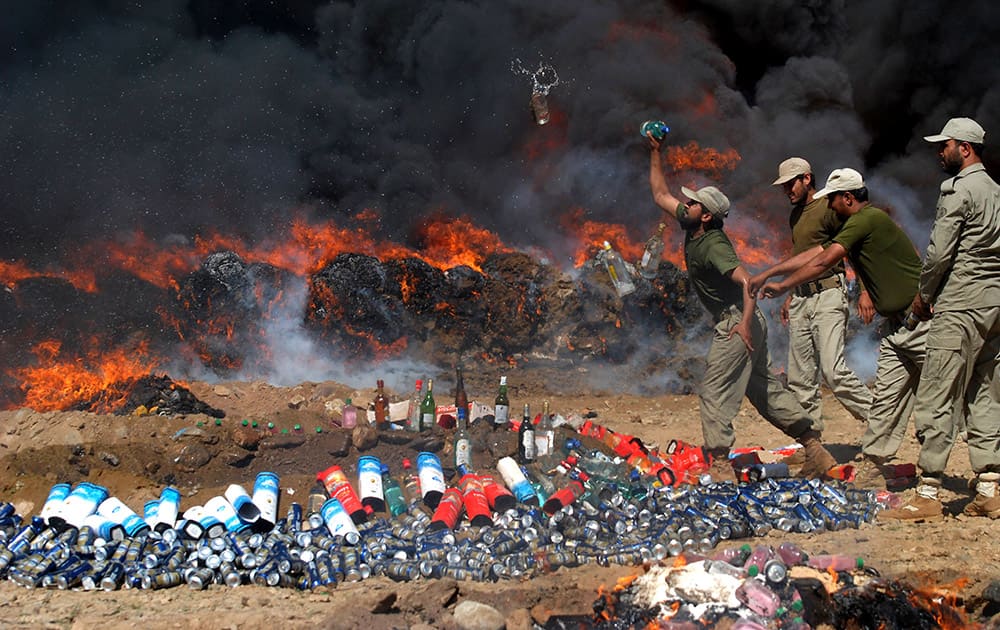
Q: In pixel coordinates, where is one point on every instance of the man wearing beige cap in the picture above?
(738, 363)
(960, 295)
(816, 312)
(887, 262)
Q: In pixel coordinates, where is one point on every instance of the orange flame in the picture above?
(58, 384)
(13, 272)
(692, 157)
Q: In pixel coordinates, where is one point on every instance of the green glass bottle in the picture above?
(393, 493)
(428, 409)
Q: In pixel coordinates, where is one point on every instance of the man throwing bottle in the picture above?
(738, 362)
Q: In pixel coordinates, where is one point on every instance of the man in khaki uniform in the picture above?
(816, 312)
(888, 265)
(738, 363)
(960, 295)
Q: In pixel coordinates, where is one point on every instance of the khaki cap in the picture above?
(790, 169)
(963, 129)
(712, 198)
(841, 179)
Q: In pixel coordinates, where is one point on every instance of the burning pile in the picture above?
(148, 395)
(233, 316)
(759, 588)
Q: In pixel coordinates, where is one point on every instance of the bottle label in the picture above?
(646, 255)
(463, 452)
(430, 473)
(427, 419)
(528, 442)
(501, 414)
(370, 478)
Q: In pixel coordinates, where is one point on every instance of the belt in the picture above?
(812, 288)
(732, 309)
(902, 318)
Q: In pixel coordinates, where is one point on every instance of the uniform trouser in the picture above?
(960, 377)
(731, 372)
(897, 373)
(816, 330)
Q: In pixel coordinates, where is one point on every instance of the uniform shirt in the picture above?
(884, 258)
(710, 258)
(815, 224)
(961, 268)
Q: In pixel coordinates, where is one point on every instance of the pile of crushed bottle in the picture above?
(752, 587)
(481, 527)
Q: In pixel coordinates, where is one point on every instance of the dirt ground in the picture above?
(134, 457)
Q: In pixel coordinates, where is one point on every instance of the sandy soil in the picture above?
(134, 457)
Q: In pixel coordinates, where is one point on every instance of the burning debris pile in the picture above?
(757, 588)
(232, 316)
(148, 395)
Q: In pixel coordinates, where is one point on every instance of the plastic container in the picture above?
(656, 128)
(431, 476)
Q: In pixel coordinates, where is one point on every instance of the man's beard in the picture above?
(951, 165)
(689, 223)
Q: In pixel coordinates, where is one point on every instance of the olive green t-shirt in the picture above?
(815, 224)
(710, 257)
(883, 256)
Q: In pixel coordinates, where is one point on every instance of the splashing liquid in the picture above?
(543, 79)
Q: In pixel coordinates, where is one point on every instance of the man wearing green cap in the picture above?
(738, 362)
(816, 312)
(887, 263)
(960, 295)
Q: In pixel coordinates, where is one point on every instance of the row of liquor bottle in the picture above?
(476, 494)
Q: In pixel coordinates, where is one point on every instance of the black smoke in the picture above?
(176, 117)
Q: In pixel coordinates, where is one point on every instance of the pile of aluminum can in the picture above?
(83, 539)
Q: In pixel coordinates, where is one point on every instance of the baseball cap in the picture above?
(964, 129)
(841, 179)
(790, 169)
(712, 198)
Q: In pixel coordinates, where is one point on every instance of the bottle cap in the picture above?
(753, 570)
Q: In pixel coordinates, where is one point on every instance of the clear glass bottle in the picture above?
(411, 484)
(545, 436)
(618, 271)
(463, 440)
(413, 410)
(650, 261)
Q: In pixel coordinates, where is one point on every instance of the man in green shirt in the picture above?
(960, 279)
(816, 312)
(738, 362)
(888, 265)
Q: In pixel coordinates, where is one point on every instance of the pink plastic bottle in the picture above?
(791, 554)
(349, 415)
(758, 598)
(837, 562)
(758, 558)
